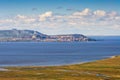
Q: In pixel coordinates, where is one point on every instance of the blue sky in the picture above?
(89, 17)
(25, 6)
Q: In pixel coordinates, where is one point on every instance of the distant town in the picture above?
(15, 35)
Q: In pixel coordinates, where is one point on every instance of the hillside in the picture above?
(107, 69)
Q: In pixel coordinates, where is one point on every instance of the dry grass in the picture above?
(107, 69)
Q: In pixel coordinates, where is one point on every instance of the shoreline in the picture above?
(78, 63)
(105, 69)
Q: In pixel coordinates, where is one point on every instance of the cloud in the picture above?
(113, 14)
(6, 21)
(34, 9)
(99, 13)
(23, 19)
(43, 17)
(79, 20)
(20, 16)
(59, 7)
(69, 9)
(82, 13)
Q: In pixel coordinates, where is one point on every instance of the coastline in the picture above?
(105, 69)
(4, 68)
(64, 64)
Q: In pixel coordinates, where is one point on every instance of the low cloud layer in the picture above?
(80, 20)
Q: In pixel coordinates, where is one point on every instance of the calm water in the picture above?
(55, 53)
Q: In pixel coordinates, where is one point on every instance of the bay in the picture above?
(55, 53)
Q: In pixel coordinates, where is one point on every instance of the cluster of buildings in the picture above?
(67, 38)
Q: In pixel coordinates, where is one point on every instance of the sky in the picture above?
(88, 17)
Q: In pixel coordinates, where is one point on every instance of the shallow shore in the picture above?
(106, 69)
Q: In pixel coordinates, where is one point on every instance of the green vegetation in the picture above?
(107, 69)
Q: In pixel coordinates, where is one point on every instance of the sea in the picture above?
(56, 53)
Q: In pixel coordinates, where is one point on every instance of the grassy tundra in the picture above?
(107, 69)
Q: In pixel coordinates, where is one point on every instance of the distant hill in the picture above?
(30, 35)
(18, 33)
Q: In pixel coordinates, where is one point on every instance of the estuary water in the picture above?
(55, 53)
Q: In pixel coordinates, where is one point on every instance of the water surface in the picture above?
(55, 53)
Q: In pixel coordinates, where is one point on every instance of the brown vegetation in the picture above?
(107, 69)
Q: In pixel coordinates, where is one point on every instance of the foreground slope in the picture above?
(107, 69)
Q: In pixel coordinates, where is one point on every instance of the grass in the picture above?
(107, 69)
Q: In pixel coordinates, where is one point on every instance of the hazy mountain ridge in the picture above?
(17, 33)
(30, 35)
